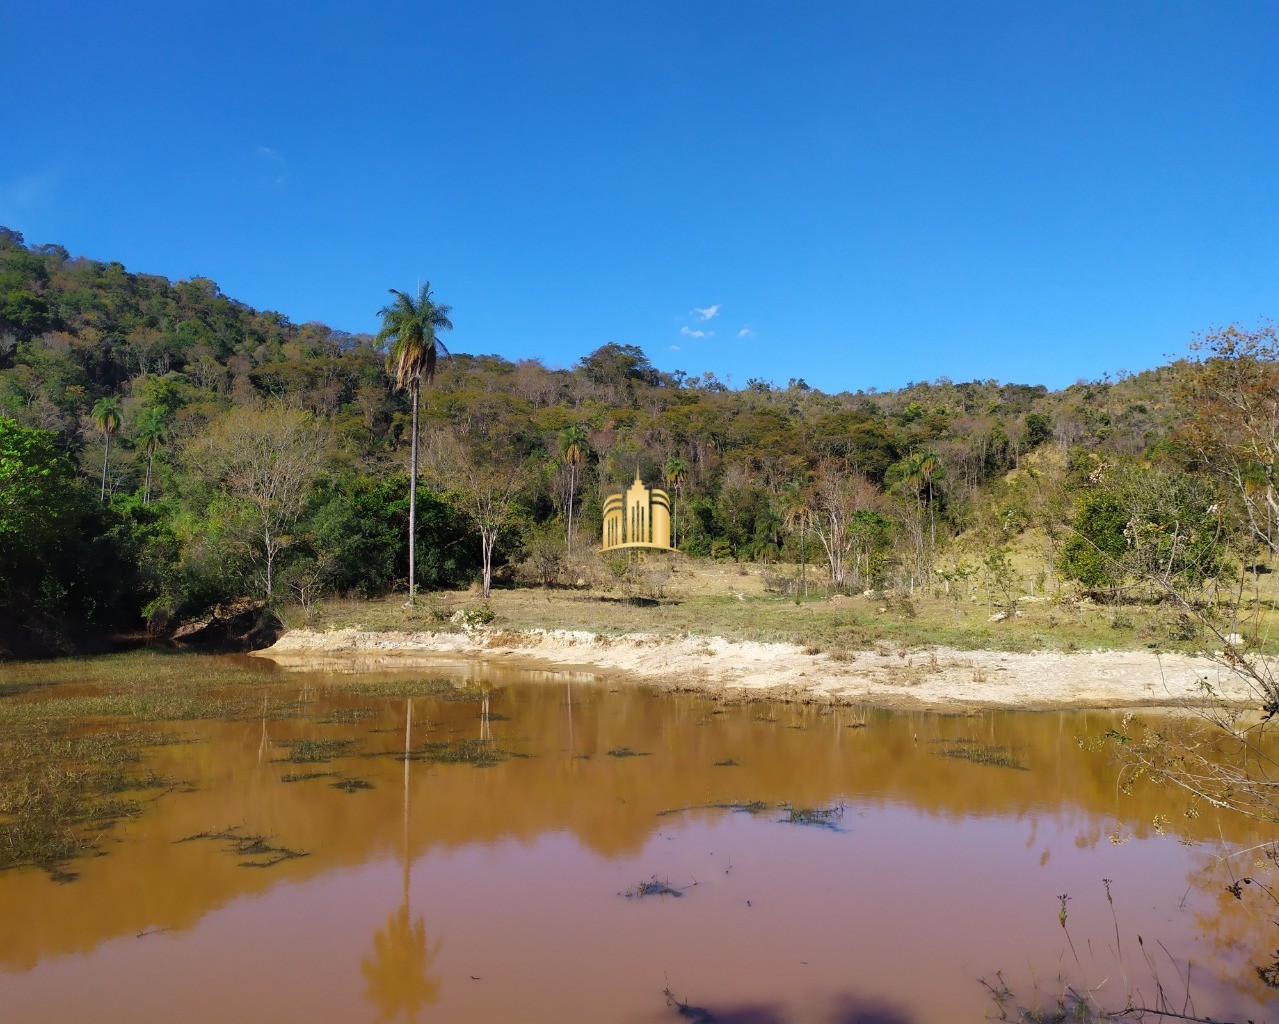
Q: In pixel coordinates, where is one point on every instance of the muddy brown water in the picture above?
(457, 893)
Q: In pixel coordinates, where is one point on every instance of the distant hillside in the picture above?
(745, 465)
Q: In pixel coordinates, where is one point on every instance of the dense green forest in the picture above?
(165, 448)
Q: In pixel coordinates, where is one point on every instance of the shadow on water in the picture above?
(847, 1009)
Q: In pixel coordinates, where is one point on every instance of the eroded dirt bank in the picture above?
(938, 678)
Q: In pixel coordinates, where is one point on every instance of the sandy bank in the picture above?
(939, 678)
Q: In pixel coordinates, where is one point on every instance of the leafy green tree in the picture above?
(61, 561)
(108, 418)
(35, 483)
(1094, 554)
(1037, 429)
(357, 527)
(412, 327)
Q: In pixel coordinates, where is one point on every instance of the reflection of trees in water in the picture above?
(1240, 922)
(398, 972)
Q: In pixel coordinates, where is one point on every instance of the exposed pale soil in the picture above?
(938, 678)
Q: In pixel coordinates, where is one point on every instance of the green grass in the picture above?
(734, 605)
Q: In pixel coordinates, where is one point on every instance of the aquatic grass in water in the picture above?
(60, 792)
(627, 752)
(310, 751)
(345, 716)
(351, 785)
(481, 753)
(653, 887)
(306, 776)
(816, 817)
(977, 752)
(753, 807)
(440, 689)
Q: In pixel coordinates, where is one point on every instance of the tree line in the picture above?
(165, 448)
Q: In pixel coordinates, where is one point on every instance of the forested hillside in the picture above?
(165, 448)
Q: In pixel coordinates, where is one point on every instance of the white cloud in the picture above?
(707, 313)
(746, 332)
(273, 161)
(675, 348)
(689, 332)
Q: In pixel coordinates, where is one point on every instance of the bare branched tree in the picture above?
(485, 482)
(838, 494)
(265, 460)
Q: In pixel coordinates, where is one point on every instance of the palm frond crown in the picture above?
(412, 327)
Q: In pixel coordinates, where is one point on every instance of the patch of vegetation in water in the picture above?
(977, 752)
(653, 887)
(145, 686)
(248, 845)
(351, 785)
(816, 817)
(150, 706)
(440, 688)
(751, 807)
(345, 716)
(627, 752)
(729, 763)
(306, 776)
(481, 753)
(311, 751)
(59, 793)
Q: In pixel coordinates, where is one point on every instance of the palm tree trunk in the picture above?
(413, 500)
(572, 489)
(803, 554)
(106, 452)
(146, 491)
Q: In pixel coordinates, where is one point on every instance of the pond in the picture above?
(563, 848)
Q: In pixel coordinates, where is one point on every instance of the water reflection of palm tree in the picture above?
(397, 973)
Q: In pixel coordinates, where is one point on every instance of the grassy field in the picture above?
(734, 601)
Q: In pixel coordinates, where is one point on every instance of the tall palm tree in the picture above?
(924, 466)
(107, 418)
(411, 328)
(574, 446)
(152, 430)
(799, 513)
(673, 474)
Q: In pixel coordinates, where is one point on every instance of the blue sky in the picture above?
(864, 193)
